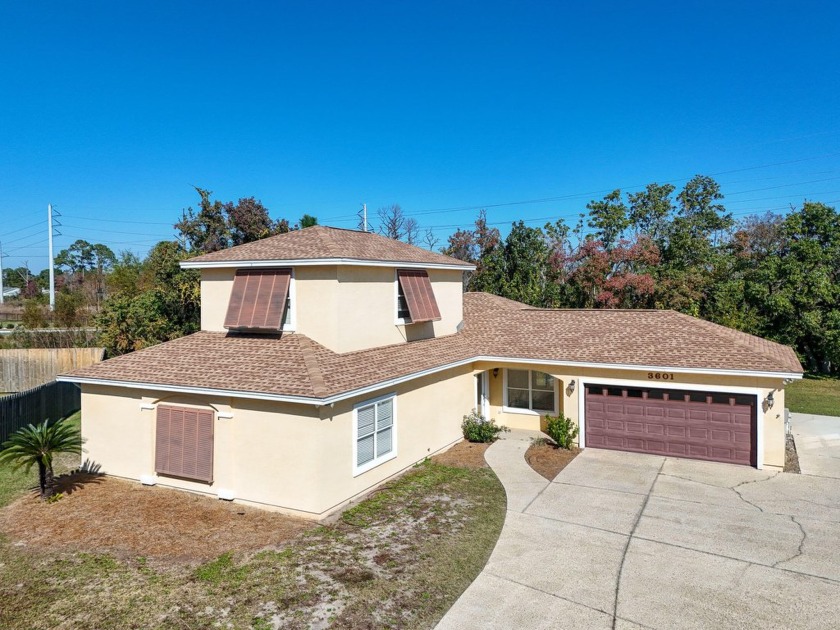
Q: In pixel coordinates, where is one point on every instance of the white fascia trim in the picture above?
(182, 389)
(311, 262)
(307, 400)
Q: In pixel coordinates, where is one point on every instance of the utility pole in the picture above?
(363, 216)
(1, 273)
(50, 221)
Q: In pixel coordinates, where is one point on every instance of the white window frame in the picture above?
(398, 321)
(376, 461)
(530, 412)
(290, 327)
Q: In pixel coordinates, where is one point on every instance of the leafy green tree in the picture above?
(608, 218)
(248, 220)
(167, 305)
(798, 290)
(307, 220)
(518, 268)
(38, 445)
(205, 230)
(125, 276)
(77, 258)
(216, 225)
(651, 210)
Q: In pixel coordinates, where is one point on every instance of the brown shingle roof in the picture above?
(327, 243)
(294, 365)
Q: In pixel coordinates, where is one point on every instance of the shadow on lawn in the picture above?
(68, 483)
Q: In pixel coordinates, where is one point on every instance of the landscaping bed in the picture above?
(547, 459)
(396, 560)
(791, 456)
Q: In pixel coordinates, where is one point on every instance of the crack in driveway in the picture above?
(747, 483)
(629, 540)
(801, 550)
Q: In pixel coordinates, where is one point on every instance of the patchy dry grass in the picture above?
(396, 560)
(818, 395)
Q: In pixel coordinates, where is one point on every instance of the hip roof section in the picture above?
(326, 245)
(294, 366)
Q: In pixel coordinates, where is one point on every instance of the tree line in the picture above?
(772, 275)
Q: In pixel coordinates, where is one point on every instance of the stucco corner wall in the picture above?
(289, 457)
(216, 286)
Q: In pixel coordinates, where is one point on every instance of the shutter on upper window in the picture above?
(184, 442)
(258, 299)
(419, 296)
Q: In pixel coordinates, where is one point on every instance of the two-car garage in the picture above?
(711, 426)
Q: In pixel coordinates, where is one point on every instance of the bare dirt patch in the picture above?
(398, 559)
(549, 460)
(101, 514)
(463, 455)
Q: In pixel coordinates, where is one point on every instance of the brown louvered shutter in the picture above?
(419, 296)
(258, 299)
(184, 442)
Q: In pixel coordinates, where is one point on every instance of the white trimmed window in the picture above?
(374, 433)
(530, 391)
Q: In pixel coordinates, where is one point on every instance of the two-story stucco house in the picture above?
(331, 360)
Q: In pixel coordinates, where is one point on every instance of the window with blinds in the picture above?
(374, 431)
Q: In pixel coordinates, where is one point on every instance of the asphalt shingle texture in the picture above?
(295, 365)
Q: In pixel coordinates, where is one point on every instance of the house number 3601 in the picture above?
(660, 376)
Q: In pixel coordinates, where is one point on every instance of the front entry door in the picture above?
(482, 404)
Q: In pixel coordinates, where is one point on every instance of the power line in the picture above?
(72, 216)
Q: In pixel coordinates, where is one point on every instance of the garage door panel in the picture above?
(698, 425)
(723, 436)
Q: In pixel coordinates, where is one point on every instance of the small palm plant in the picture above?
(33, 444)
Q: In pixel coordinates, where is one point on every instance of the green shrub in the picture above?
(477, 428)
(561, 430)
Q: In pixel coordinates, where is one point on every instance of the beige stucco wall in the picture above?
(772, 438)
(345, 308)
(295, 458)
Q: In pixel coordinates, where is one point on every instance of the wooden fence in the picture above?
(51, 400)
(24, 369)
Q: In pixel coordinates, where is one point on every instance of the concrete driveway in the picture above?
(817, 444)
(620, 540)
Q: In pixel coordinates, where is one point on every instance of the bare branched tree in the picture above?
(430, 240)
(394, 224)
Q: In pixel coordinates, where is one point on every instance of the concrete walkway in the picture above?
(817, 444)
(620, 540)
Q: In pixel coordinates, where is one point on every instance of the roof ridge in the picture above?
(313, 365)
(747, 341)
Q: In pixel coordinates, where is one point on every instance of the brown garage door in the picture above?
(700, 425)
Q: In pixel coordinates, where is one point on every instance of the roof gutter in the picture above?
(326, 400)
(311, 262)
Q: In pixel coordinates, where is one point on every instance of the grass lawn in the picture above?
(816, 395)
(13, 484)
(396, 560)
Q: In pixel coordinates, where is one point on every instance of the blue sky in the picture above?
(113, 110)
